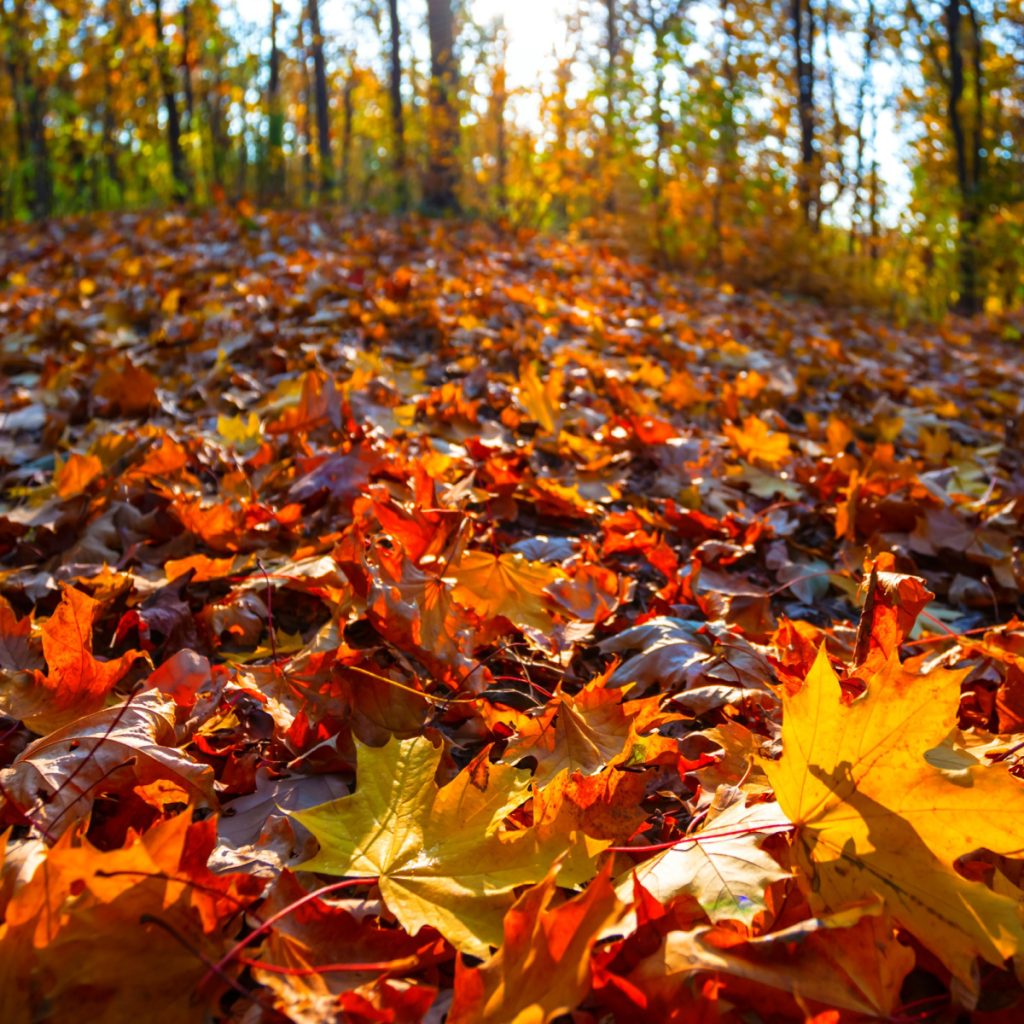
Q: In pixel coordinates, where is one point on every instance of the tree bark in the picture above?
(275, 112)
(323, 127)
(29, 113)
(307, 102)
(808, 185)
(179, 173)
(442, 170)
(611, 89)
(347, 114)
(500, 102)
(967, 160)
(611, 68)
(398, 156)
(186, 65)
(864, 93)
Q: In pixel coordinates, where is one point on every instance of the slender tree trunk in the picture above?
(323, 125)
(873, 205)
(347, 114)
(398, 156)
(611, 88)
(442, 170)
(727, 155)
(563, 77)
(179, 172)
(967, 303)
(659, 28)
(218, 136)
(307, 104)
(186, 65)
(29, 112)
(500, 103)
(275, 112)
(42, 180)
(108, 138)
(14, 62)
(864, 92)
(838, 153)
(802, 16)
(611, 68)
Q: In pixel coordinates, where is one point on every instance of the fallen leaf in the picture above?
(439, 854)
(876, 820)
(722, 866)
(542, 969)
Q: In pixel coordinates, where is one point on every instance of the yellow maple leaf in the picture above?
(878, 817)
(754, 441)
(506, 585)
(439, 853)
(542, 399)
(243, 434)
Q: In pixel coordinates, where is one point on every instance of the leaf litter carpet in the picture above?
(414, 623)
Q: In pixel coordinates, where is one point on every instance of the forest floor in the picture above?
(587, 639)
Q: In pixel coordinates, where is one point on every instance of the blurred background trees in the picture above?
(858, 149)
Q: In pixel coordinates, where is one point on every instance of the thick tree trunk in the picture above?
(442, 170)
(398, 157)
(323, 125)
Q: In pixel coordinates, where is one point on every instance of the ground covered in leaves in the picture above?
(407, 623)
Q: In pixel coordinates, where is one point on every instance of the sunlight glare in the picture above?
(536, 32)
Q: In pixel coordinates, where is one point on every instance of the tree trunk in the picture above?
(307, 123)
(808, 185)
(611, 68)
(968, 298)
(29, 113)
(728, 144)
(347, 114)
(611, 85)
(275, 112)
(864, 93)
(218, 136)
(108, 125)
(186, 65)
(179, 173)
(967, 147)
(398, 157)
(442, 170)
(500, 102)
(323, 125)
(42, 180)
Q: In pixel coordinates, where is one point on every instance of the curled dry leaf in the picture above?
(55, 781)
